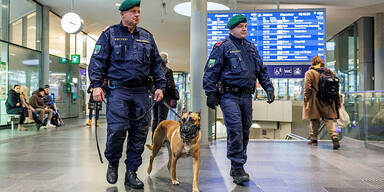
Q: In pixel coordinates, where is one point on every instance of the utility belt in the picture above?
(112, 84)
(233, 89)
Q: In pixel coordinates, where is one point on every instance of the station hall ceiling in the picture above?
(171, 31)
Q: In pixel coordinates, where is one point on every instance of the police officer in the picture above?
(126, 55)
(229, 80)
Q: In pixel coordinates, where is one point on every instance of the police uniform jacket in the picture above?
(126, 57)
(237, 63)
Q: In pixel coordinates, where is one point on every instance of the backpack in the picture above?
(328, 86)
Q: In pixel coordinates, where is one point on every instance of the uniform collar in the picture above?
(235, 39)
(121, 25)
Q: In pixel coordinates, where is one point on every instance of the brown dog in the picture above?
(183, 141)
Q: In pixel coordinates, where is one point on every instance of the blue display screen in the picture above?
(286, 36)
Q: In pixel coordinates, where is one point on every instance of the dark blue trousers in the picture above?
(237, 112)
(124, 103)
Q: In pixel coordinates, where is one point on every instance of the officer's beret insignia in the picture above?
(211, 62)
(97, 49)
(235, 20)
(127, 4)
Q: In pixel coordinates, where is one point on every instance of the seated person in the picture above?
(32, 114)
(48, 99)
(50, 102)
(37, 102)
(14, 105)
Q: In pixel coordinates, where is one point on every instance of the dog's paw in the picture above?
(175, 182)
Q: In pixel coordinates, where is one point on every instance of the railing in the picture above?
(366, 112)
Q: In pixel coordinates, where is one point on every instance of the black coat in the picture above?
(12, 100)
(170, 85)
(91, 102)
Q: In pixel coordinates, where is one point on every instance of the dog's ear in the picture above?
(199, 113)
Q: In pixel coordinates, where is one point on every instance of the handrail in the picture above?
(370, 91)
(294, 136)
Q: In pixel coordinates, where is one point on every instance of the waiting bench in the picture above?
(11, 119)
(8, 119)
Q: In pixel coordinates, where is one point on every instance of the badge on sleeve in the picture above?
(97, 49)
(211, 62)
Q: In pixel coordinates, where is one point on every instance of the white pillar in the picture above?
(198, 57)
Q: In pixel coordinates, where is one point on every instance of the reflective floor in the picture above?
(66, 160)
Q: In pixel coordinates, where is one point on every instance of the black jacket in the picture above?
(90, 101)
(12, 100)
(170, 85)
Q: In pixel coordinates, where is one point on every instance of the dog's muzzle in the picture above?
(188, 131)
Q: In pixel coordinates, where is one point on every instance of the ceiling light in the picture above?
(185, 8)
(117, 4)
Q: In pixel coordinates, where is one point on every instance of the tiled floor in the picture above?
(66, 160)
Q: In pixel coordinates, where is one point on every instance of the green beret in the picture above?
(127, 4)
(235, 20)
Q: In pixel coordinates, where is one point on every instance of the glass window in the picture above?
(23, 23)
(16, 29)
(3, 71)
(4, 9)
(24, 67)
(56, 36)
(31, 31)
(342, 57)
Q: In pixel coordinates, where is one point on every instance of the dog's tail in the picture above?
(150, 147)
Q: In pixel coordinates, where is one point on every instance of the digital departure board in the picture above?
(283, 36)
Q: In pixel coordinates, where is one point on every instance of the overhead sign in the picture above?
(279, 35)
(75, 59)
(287, 71)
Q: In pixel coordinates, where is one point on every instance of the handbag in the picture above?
(344, 119)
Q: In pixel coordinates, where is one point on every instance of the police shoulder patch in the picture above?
(97, 49)
(211, 62)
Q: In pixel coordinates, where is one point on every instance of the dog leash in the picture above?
(96, 120)
(171, 109)
(97, 110)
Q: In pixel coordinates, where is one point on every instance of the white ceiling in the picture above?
(171, 31)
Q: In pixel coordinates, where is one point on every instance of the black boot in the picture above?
(231, 173)
(336, 144)
(112, 172)
(239, 176)
(132, 181)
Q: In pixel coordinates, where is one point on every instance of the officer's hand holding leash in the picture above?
(213, 100)
(158, 95)
(271, 97)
